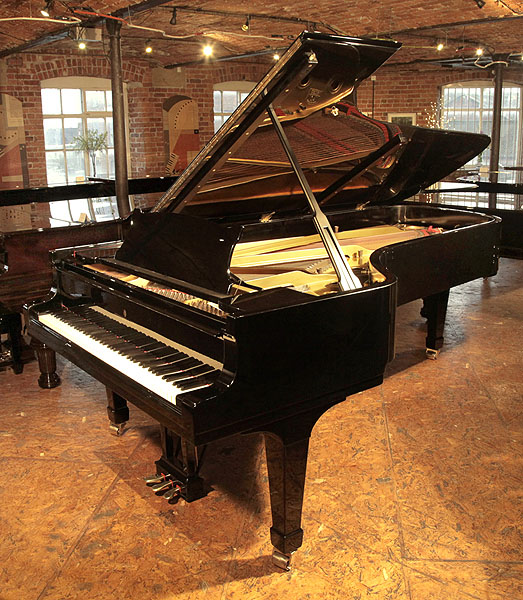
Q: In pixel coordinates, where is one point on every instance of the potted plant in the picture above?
(91, 142)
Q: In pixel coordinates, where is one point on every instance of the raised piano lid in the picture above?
(243, 174)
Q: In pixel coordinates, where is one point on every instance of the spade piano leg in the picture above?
(118, 412)
(47, 363)
(435, 310)
(286, 447)
(286, 465)
(181, 461)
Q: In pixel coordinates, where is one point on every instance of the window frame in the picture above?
(241, 88)
(485, 112)
(94, 207)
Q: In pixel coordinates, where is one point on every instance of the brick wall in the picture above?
(417, 90)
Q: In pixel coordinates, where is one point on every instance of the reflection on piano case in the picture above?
(262, 288)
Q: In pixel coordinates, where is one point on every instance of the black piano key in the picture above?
(198, 370)
(180, 365)
(194, 382)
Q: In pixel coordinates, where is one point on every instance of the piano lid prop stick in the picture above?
(347, 279)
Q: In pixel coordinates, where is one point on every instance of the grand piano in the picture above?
(262, 288)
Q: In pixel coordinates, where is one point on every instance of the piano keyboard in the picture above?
(153, 361)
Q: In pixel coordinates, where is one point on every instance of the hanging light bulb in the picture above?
(276, 56)
(479, 51)
(148, 48)
(247, 25)
(440, 46)
(82, 45)
(207, 50)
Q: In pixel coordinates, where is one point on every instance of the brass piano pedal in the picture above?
(431, 354)
(282, 561)
(163, 486)
(156, 478)
(118, 429)
(174, 493)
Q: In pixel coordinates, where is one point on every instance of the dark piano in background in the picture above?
(25, 267)
(262, 288)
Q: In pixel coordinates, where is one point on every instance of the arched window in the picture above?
(468, 106)
(227, 97)
(72, 107)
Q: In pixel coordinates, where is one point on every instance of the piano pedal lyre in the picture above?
(431, 353)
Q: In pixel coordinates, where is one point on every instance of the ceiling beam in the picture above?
(487, 21)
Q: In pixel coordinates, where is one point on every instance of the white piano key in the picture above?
(142, 375)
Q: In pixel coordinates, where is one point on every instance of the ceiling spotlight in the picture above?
(45, 11)
(480, 3)
(276, 56)
(207, 50)
(247, 25)
(440, 46)
(173, 17)
(82, 45)
(479, 51)
(148, 48)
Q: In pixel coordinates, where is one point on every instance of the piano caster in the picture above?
(432, 354)
(118, 429)
(282, 561)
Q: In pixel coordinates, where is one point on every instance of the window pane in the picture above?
(98, 124)
(101, 164)
(110, 157)
(71, 102)
(79, 208)
(60, 211)
(104, 209)
(94, 100)
(217, 101)
(510, 98)
(109, 100)
(75, 167)
(55, 164)
(53, 135)
(110, 133)
(51, 101)
(218, 122)
(243, 95)
(72, 129)
(230, 101)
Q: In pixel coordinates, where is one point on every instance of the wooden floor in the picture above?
(413, 488)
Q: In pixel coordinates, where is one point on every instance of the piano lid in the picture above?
(348, 159)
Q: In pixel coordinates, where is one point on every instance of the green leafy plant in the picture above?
(91, 142)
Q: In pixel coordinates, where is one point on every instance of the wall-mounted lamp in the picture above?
(479, 51)
(46, 10)
(440, 46)
(207, 50)
(276, 56)
(148, 48)
(82, 45)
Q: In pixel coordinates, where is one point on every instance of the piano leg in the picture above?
(286, 465)
(47, 363)
(181, 460)
(117, 411)
(435, 310)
